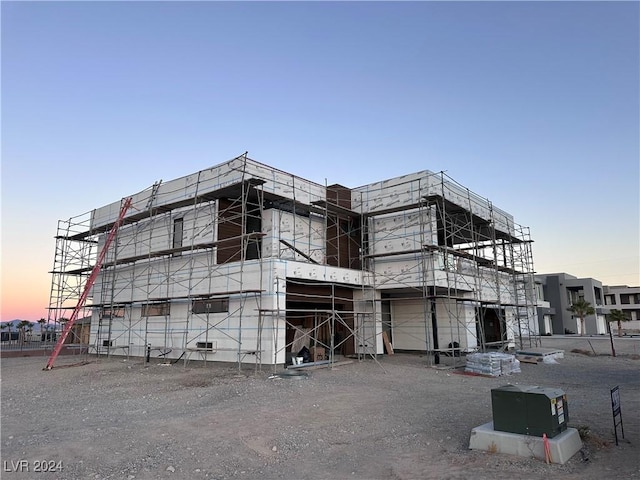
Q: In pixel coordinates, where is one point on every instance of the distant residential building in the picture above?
(561, 290)
(80, 332)
(627, 299)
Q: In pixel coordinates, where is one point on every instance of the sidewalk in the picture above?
(601, 344)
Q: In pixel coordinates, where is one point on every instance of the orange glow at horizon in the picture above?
(24, 297)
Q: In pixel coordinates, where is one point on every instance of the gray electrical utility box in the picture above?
(529, 410)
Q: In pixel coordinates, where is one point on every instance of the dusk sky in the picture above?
(534, 106)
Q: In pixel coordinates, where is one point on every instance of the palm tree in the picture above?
(42, 322)
(3, 326)
(618, 316)
(581, 308)
(63, 322)
(22, 326)
(9, 327)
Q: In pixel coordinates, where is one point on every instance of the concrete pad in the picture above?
(541, 352)
(562, 446)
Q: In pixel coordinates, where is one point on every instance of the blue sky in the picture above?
(535, 106)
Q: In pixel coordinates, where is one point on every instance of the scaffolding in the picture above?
(464, 264)
(74, 258)
(242, 262)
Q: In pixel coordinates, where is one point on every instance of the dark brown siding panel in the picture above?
(343, 233)
(229, 231)
(339, 195)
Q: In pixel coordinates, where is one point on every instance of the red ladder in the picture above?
(90, 281)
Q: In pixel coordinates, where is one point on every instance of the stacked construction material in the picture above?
(494, 364)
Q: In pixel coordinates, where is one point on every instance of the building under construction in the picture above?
(245, 263)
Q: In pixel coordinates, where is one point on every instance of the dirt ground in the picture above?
(397, 418)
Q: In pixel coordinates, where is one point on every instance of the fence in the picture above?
(17, 341)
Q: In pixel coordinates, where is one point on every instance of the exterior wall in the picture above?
(511, 326)
(175, 277)
(184, 189)
(545, 323)
(396, 239)
(456, 325)
(169, 334)
(176, 256)
(402, 231)
(592, 291)
(544, 310)
(601, 324)
(412, 328)
(306, 234)
(368, 322)
(407, 231)
(324, 273)
(560, 289)
(410, 325)
(410, 189)
(627, 299)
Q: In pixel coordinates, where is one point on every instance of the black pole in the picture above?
(434, 327)
(613, 350)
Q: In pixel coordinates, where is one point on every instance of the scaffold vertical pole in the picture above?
(87, 288)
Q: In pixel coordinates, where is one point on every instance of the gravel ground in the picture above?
(397, 418)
